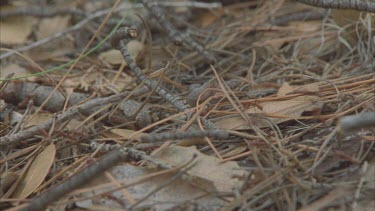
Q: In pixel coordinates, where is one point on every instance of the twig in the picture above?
(3, 84)
(359, 5)
(185, 135)
(41, 12)
(63, 188)
(356, 122)
(174, 34)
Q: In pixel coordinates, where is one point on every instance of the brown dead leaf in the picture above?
(286, 89)
(7, 179)
(15, 30)
(210, 17)
(178, 191)
(17, 70)
(127, 134)
(114, 57)
(50, 26)
(225, 177)
(280, 111)
(368, 138)
(38, 118)
(36, 173)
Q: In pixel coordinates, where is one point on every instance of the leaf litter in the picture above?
(284, 151)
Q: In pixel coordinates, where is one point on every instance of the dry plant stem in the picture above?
(41, 12)
(360, 5)
(55, 193)
(23, 135)
(185, 135)
(306, 15)
(356, 122)
(120, 39)
(174, 34)
(3, 84)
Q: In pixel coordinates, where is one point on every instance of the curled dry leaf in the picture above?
(36, 173)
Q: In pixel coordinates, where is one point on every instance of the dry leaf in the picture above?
(368, 138)
(210, 17)
(286, 89)
(38, 118)
(7, 179)
(286, 109)
(114, 57)
(50, 26)
(127, 134)
(36, 173)
(178, 191)
(15, 30)
(225, 177)
(17, 70)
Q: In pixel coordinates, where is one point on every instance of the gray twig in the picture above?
(185, 135)
(356, 122)
(40, 12)
(360, 5)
